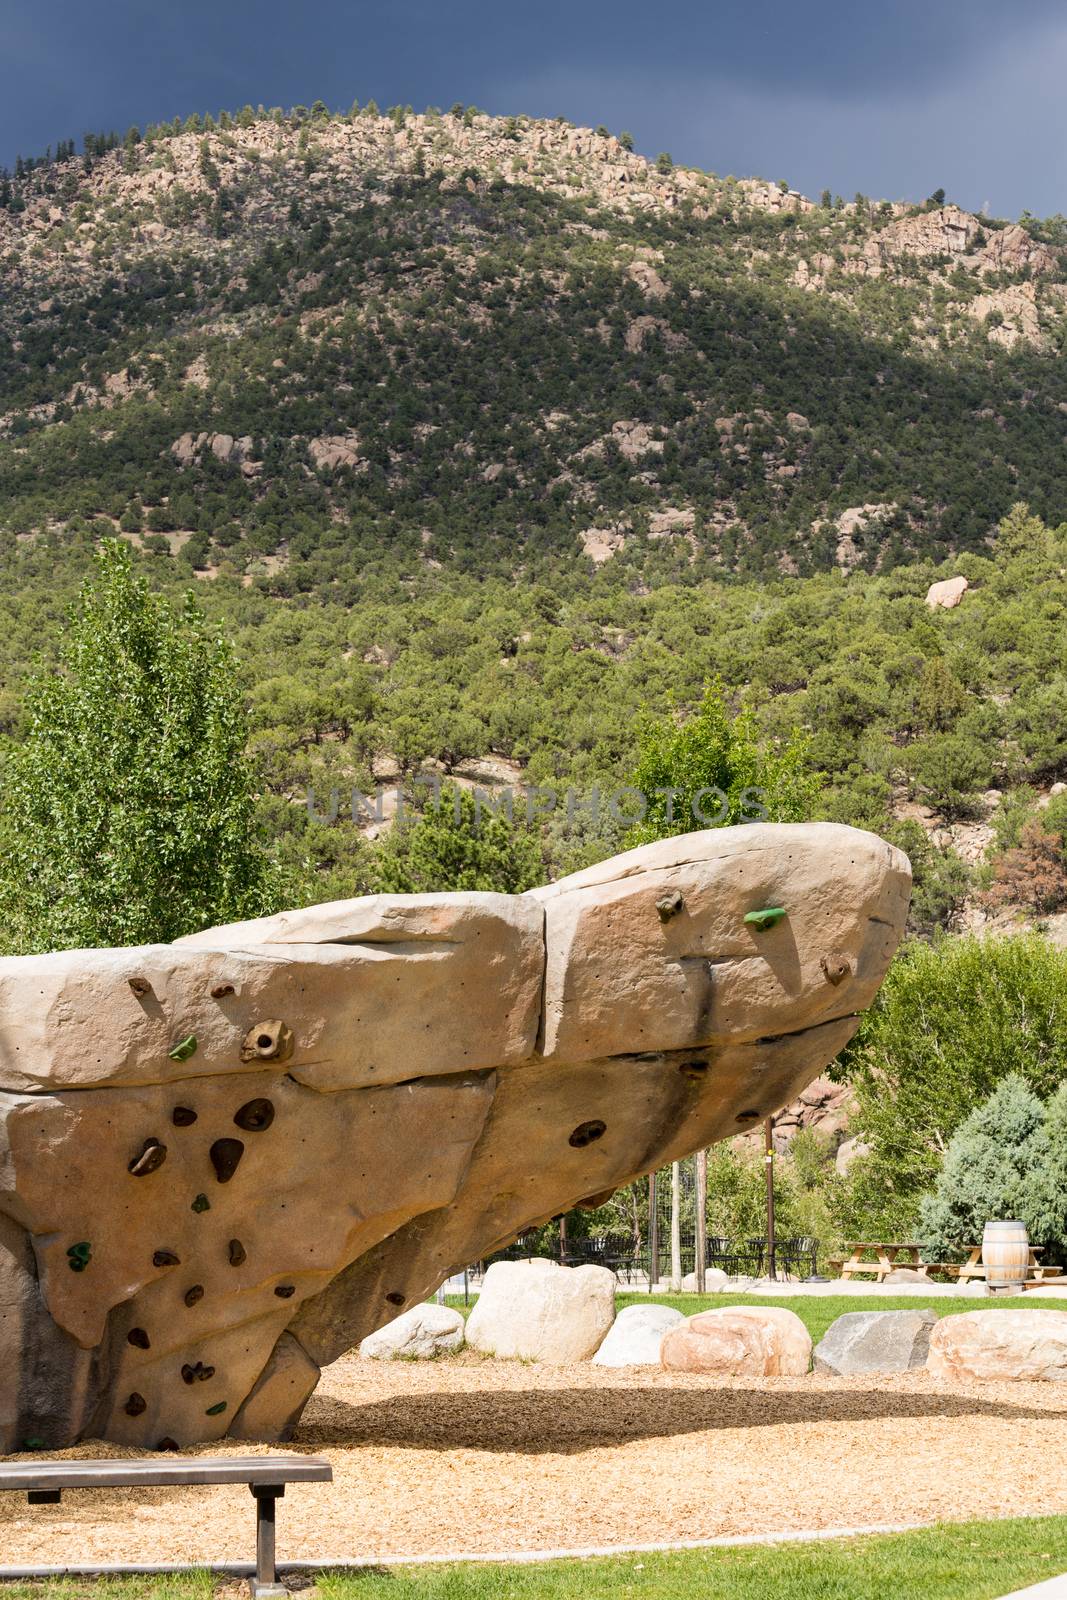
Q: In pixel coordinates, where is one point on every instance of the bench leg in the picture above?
(265, 1585)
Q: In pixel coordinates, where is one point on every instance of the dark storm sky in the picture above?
(894, 97)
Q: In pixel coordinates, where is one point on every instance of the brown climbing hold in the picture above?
(835, 967)
(194, 1294)
(139, 1338)
(225, 1158)
(165, 1258)
(255, 1116)
(197, 1374)
(285, 1291)
(135, 1405)
(220, 990)
(693, 1069)
(395, 1299)
(587, 1133)
(140, 986)
(747, 1116)
(183, 1116)
(267, 1041)
(670, 905)
(593, 1202)
(150, 1159)
(167, 1444)
(238, 1253)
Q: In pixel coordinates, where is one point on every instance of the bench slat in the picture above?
(120, 1473)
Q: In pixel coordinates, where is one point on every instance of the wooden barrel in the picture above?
(1005, 1254)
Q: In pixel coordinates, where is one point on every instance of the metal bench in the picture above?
(266, 1477)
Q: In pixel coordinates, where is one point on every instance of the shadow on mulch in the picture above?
(571, 1420)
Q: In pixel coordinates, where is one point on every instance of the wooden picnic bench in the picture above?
(889, 1256)
(266, 1477)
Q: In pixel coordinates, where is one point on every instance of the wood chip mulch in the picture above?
(471, 1455)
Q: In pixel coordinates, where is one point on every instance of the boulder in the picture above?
(906, 1275)
(537, 1310)
(636, 1335)
(875, 1341)
(1000, 1344)
(972, 1289)
(946, 594)
(421, 1333)
(739, 1341)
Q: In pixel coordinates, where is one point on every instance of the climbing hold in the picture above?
(183, 1116)
(33, 1444)
(220, 990)
(197, 1374)
(285, 1291)
(140, 986)
(593, 1202)
(217, 1409)
(139, 1338)
(238, 1253)
(670, 905)
(150, 1159)
(201, 1203)
(184, 1049)
(165, 1258)
(587, 1133)
(762, 920)
(835, 967)
(225, 1157)
(395, 1299)
(267, 1041)
(255, 1116)
(194, 1294)
(748, 1116)
(135, 1405)
(78, 1255)
(693, 1069)
(167, 1444)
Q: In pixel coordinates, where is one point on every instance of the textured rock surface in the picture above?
(1000, 1344)
(946, 594)
(422, 1333)
(635, 1337)
(540, 1311)
(739, 1341)
(875, 1341)
(225, 1161)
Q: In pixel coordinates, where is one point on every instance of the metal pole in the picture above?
(768, 1164)
(653, 1234)
(676, 1225)
(702, 1219)
(563, 1240)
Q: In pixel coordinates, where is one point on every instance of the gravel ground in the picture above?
(469, 1454)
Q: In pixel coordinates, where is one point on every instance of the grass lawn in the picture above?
(818, 1311)
(962, 1561)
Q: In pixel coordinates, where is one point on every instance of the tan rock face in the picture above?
(225, 1161)
(741, 1342)
(1000, 1344)
(946, 594)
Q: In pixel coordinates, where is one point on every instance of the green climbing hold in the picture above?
(184, 1049)
(762, 920)
(33, 1444)
(78, 1255)
(201, 1203)
(217, 1410)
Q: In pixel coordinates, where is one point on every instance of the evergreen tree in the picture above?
(454, 844)
(987, 1167)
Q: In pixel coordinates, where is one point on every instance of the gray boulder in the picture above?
(875, 1341)
(635, 1336)
(419, 1334)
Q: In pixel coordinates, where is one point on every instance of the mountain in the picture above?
(289, 346)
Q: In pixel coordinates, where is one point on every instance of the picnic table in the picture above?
(888, 1253)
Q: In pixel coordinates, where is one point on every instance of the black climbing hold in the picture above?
(267, 1041)
(587, 1133)
(194, 1294)
(670, 905)
(78, 1255)
(217, 1409)
(197, 1374)
(220, 990)
(285, 1291)
(201, 1203)
(225, 1158)
(139, 1338)
(183, 1116)
(238, 1253)
(395, 1299)
(140, 986)
(150, 1159)
(165, 1258)
(255, 1116)
(748, 1116)
(135, 1405)
(183, 1049)
(167, 1444)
